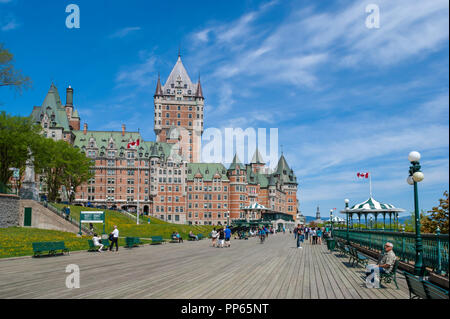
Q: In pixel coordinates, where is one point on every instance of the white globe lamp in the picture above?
(414, 156)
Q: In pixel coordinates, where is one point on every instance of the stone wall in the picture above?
(9, 210)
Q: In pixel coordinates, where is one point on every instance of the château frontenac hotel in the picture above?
(165, 178)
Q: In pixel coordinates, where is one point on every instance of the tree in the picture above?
(60, 164)
(438, 216)
(18, 136)
(9, 75)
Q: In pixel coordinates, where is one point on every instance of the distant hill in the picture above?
(400, 219)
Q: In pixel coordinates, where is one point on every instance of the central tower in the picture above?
(179, 112)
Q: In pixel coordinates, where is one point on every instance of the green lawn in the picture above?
(127, 225)
(16, 241)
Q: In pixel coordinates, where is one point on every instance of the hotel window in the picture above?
(190, 123)
(167, 115)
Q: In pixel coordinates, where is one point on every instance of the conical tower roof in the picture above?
(178, 73)
(236, 163)
(282, 166)
(199, 92)
(257, 158)
(158, 87)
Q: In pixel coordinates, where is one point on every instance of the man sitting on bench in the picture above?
(97, 242)
(192, 236)
(386, 262)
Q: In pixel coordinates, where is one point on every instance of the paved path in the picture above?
(275, 269)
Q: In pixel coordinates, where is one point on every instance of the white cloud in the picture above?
(124, 32)
(140, 75)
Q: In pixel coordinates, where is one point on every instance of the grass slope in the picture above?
(127, 225)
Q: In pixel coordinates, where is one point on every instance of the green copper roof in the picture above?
(236, 162)
(208, 170)
(102, 141)
(257, 158)
(75, 114)
(52, 107)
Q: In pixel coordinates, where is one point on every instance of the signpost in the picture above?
(92, 217)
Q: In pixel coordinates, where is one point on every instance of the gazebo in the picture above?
(254, 211)
(373, 208)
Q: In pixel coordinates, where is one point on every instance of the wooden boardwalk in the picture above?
(275, 269)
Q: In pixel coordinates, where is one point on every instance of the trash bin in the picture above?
(331, 243)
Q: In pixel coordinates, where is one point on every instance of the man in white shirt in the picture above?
(97, 243)
(114, 236)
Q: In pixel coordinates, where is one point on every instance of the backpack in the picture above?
(111, 237)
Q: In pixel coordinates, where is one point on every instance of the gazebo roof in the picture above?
(371, 205)
(255, 206)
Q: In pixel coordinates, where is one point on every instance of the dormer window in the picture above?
(189, 92)
(172, 85)
(91, 144)
(168, 91)
(185, 86)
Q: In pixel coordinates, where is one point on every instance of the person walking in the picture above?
(295, 231)
(313, 236)
(228, 236)
(306, 233)
(114, 238)
(221, 237)
(319, 236)
(214, 235)
(299, 236)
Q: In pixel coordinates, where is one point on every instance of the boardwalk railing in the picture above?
(435, 246)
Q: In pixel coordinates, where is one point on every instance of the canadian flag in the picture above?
(363, 175)
(133, 144)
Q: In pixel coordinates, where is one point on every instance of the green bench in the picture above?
(92, 247)
(422, 289)
(391, 276)
(343, 249)
(156, 240)
(131, 242)
(199, 236)
(357, 257)
(49, 248)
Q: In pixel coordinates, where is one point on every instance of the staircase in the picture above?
(44, 217)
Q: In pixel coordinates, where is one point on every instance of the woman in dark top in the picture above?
(221, 237)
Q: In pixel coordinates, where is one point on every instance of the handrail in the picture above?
(435, 246)
(55, 210)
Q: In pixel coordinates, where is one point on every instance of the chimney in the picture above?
(123, 129)
(85, 129)
(69, 96)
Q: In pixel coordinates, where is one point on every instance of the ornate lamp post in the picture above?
(415, 176)
(346, 213)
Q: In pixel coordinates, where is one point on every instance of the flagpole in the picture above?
(137, 210)
(370, 184)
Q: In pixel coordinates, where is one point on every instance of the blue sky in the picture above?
(345, 98)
